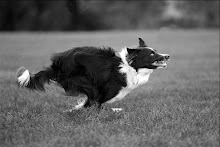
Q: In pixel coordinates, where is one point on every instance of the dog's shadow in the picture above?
(85, 116)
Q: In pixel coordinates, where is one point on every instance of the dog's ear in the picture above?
(142, 43)
(132, 51)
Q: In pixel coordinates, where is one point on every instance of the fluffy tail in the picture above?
(34, 81)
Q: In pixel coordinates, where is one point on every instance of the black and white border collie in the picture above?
(98, 73)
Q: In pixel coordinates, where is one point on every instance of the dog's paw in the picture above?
(117, 109)
(23, 76)
(69, 110)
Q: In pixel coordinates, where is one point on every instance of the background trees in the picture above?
(41, 15)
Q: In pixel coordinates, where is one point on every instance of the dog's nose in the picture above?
(167, 57)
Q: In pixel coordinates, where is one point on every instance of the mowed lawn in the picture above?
(178, 107)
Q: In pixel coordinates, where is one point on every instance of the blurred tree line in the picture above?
(47, 15)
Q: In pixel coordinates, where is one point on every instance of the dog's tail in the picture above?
(34, 81)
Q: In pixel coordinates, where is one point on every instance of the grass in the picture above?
(179, 106)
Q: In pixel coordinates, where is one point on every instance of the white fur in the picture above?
(80, 105)
(116, 109)
(163, 54)
(24, 78)
(150, 48)
(133, 78)
(165, 65)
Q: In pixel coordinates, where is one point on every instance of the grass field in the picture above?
(178, 107)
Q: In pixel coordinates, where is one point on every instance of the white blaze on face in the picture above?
(24, 78)
(150, 48)
(163, 54)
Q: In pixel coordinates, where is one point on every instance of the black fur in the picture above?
(38, 80)
(93, 71)
(89, 70)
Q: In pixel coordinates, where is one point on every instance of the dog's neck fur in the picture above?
(133, 78)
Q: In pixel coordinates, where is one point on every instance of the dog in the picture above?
(99, 73)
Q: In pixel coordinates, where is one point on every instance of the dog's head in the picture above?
(144, 56)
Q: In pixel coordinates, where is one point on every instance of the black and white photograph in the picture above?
(109, 73)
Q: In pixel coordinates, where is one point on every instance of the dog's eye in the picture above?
(152, 53)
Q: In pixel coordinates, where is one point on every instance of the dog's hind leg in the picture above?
(81, 103)
(83, 85)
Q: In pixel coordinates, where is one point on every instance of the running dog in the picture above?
(99, 73)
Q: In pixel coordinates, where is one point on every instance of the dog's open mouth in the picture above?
(161, 63)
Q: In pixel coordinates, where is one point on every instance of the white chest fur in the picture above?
(133, 78)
